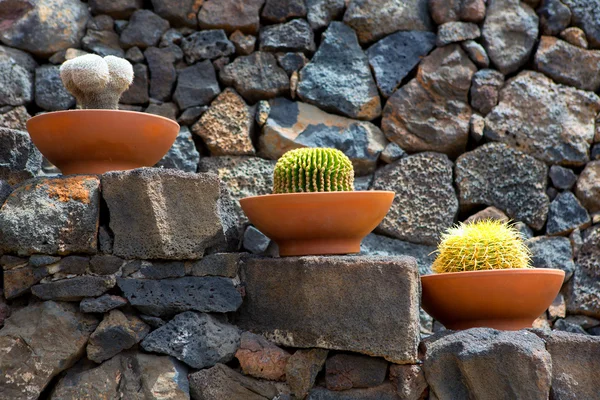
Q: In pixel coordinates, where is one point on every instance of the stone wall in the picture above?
(150, 283)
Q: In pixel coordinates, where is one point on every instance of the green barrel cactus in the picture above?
(313, 170)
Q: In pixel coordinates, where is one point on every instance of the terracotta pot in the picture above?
(97, 141)
(508, 299)
(318, 223)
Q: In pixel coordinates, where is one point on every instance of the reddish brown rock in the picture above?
(488, 213)
(587, 188)
(575, 36)
(443, 11)
(244, 44)
(260, 358)
(14, 118)
(302, 369)
(231, 15)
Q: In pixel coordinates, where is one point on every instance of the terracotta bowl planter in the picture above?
(97, 141)
(508, 299)
(318, 223)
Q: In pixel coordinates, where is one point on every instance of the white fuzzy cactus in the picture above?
(96, 82)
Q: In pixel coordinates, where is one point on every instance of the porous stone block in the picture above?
(368, 305)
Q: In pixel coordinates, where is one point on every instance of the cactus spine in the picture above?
(313, 170)
(482, 245)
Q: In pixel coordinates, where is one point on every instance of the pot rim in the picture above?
(51, 114)
(513, 271)
(339, 193)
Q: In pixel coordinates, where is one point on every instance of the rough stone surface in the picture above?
(562, 127)
(431, 112)
(102, 42)
(374, 19)
(452, 32)
(322, 12)
(255, 241)
(347, 371)
(102, 304)
(292, 125)
(171, 296)
(554, 17)
(226, 127)
(167, 110)
(568, 64)
(218, 264)
(425, 202)
(443, 11)
(488, 213)
(583, 290)
(144, 30)
(140, 201)
(295, 35)
(19, 158)
(206, 45)
(283, 10)
(120, 9)
(138, 91)
(338, 78)
(378, 245)
(575, 36)
(409, 381)
(485, 90)
(509, 33)
(162, 71)
(183, 155)
(566, 214)
(17, 281)
(69, 210)
(231, 15)
(179, 13)
(199, 340)
(393, 57)
(497, 175)
(50, 93)
(196, 85)
(391, 153)
(256, 77)
(260, 358)
(302, 368)
(562, 178)
(73, 289)
(382, 392)
(14, 117)
(16, 77)
(588, 187)
(304, 285)
(49, 26)
(585, 14)
(466, 364)
(31, 354)
(476, 53)
(221, 382)
(244, 44)
(116, 332)
(552, 252)
(5, 191)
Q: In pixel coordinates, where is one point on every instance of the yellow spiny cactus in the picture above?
(313, 170)
(486, 244)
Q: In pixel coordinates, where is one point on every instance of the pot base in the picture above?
(318, 247)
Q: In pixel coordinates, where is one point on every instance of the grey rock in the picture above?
(180, 13)
(443, 11)
(144, 30)
(102, 42)
(40, 341)
(585, 14)
(562, 178)
(206, 45)
(183, 155)
(497, 175)
(74, 289)
(347, 371)
(196, 85)
(282, 10)
(5, 191)
(105, 240)
(431, 112)
(509, 33)
(583, 291)
(16, 77)
(116, 332)
(564, 326)
(465, 365)
(574, 365)
(190, 116)
(566, 214)
(418, 213)
(255, 241)
(554, 17)
(295, 35)
(162, 71)
(476, 53)
(394, 57)
(256, 77)
(374, 19)
(575, 36)
(171, 37)
(231, 15)
(154, 322)
(554, 54)
(456, 31)
(476, 127)
(485, 90)
(244, 44)
(222, 382)
(302, 368)
(50, 93)
(392, 153)
(138, 91)
(119, 9)
(561, 129)
(292, 62)
(199, 340)
(141, 269)
(322, 12)
(171, 296)
(338, 78)
(54, 216)
(19, 158)
(378, 245)
(135, 199)
(292, 125)
(102, 304)
(382, 392)
(40, 260)
(551, 192)
(552, 252)
(105, 264)
(14, 117)
(409, 381)
(167, 110)
(587, 189)
(129, 375)
(277, 314)
(75, 265)
(48, 26)
(218, 264)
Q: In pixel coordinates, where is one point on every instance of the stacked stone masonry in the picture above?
(151, 284)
